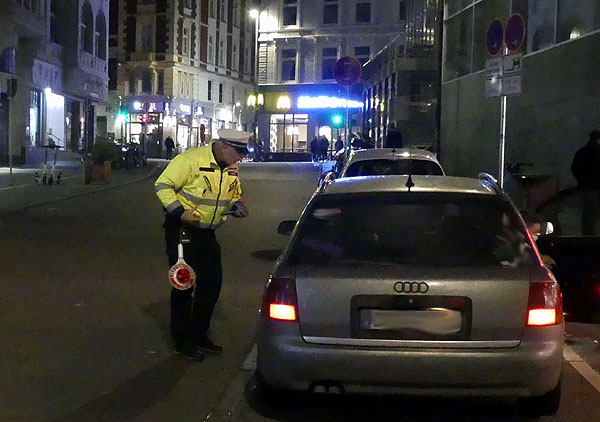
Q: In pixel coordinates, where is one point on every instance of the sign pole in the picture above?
(8, 138)
(347, 149)
(502, 141)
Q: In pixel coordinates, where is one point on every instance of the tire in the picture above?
(544, 405)
(263, 391)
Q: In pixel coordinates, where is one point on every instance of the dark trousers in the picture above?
(192, 309)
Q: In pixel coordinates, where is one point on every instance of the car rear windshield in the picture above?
(385, 167)
(429, 229)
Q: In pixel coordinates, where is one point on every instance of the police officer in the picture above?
(196, 189)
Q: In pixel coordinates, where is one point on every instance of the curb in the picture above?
(76, 195)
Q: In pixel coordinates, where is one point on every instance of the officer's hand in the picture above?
(548, 262)
(240, 210)
(189, 217)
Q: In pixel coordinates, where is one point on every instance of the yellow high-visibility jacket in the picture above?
(195, 180)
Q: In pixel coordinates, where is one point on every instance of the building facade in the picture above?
(179, 68)
(299, 44)
(402, 82)
(560, 95)
(56, 51)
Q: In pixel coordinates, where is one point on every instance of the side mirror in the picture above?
(547, 228)
(286, 227)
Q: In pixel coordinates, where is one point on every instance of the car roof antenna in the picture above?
(409, 182)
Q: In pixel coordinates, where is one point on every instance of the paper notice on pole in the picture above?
(493, 77)
(511, 85)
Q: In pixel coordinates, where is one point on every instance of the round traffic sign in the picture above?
(495, 34)
(514, 34)
(347, 71)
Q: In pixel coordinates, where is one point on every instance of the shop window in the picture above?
(288, 65)
(288, 132)
(329, 58)
(330, 12)
(146, 81)
(87, 28)
(363, 12)
(100, 36)
(362, 54)
(147, 37)
(290, 12)
(235, 58)
(161, 82)
(459, 31)
(113, 69)
(132, 84)
(573, 22)
(223, 10)
(35, 113)
(186, 41)
(236, 13)
(211, 50)
(221, 53)
(540, 29)
(53, 23)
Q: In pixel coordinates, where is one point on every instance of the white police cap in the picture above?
(234, 138)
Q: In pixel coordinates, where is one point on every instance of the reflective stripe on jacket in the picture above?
(195, 180)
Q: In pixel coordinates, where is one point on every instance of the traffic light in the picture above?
(337, 120)
(144, 118)
(122, 116)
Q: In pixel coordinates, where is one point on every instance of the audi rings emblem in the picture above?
(411, 287)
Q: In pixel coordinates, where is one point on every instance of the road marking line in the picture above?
(585, 370)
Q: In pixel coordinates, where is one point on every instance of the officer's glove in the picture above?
(239, 209)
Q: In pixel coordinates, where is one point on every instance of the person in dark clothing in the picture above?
(314, 148)
(586, 163)
(339, 144)
(170, 145)
(393, 139)
(323, 147)
(586, 169)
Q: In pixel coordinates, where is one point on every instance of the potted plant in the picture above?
(104, 152)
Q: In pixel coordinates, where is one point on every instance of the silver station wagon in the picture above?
(424, 285)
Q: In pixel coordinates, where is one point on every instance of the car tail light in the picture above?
(280, 300)
(545, 302)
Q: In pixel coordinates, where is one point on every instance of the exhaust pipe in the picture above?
(327, 387)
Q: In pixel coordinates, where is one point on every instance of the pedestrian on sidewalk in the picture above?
(586, 169)
(196, 189)
(170, 145)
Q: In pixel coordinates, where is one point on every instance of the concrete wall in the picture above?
(546, 124)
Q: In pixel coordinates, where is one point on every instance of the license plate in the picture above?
(432, 320)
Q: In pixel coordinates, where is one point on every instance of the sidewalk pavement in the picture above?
(24, 192)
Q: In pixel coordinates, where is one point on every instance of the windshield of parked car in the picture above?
(430, 229)
(384, 167)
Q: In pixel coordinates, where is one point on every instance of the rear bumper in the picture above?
(533, 368)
